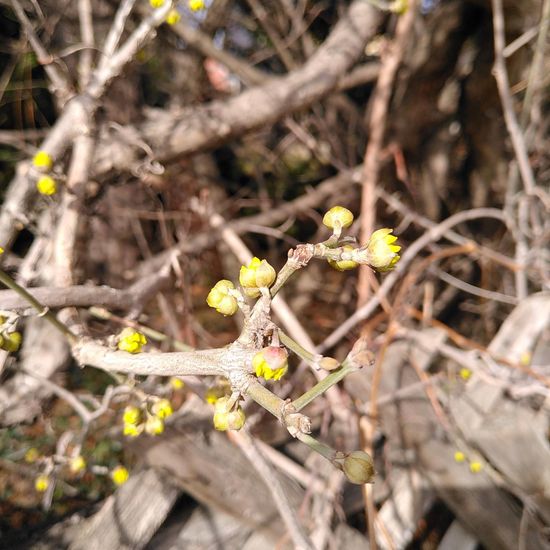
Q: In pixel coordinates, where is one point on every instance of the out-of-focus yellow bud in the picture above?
(176, 383)
(120, 475)
(197, 5)
(228, 420)
(465, 374)
(216, 392)
(77, 464)
(131, 340)
(162, 408)
(154, 425)
(42, 161)
(173, 17)
(459, 456)
(156, 3)
(220, 298)
(32, 455)
(46, 185)
(131, 430)
(131, 415)
(338, 218)
(382, 254)
(343, 265)
(258, 273)
(271, 362)
(41, 483)
(399, 6)
(476, 467)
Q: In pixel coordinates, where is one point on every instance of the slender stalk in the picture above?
(42, 311)
(300, 351)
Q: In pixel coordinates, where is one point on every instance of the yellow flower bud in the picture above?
(357, 467)
(11, 342)
(1, 250)
(399, 6)
(176, 383)
(131, 430)
(120, 475)
(258, 273)
(476, 467)
(382, 254)
(173, 17)
(41, 483)
(32, 455)
(77, 464)
(197, 5)
(131, 340)
(338, 218)
(343, 265)
(271, 362)
(131, 415)
(154, 425)
(46, 185)
(43, 161)
(162, 408)
(228, 420)
(465, 374)
(156, 3)
(220, 298)
(459, 456)
(213, 394)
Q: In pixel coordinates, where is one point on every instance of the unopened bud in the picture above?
(357, 466)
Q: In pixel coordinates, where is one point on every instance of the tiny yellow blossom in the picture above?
(32, 455)
(465, 374)
(344, 265)
(399, 6)
(173, 17)
(120, 475)
(41, 483)
(154, 425)
(258, 274)
(42, 161)
(228, 420)
(131, 415)
(176, 383)
(11, 342)
(77, 464)
(1, 250)
(197, 5)
(46, 185)
(459, 456)
(476, 467)
(382, 253)
(163, 408)
(131, 430)
(156, 3)
(338, 218)
(131, 340)
(271, 362)
(220, 298)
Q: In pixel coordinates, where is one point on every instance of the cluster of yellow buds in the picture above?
(120, 475)
(226, 418)
(46, 185)
(136, 421)
(381, 252)
(271, 363)
(131, 340)
(475, 465)
(357, 466)
(258, 274)
(221, 298)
